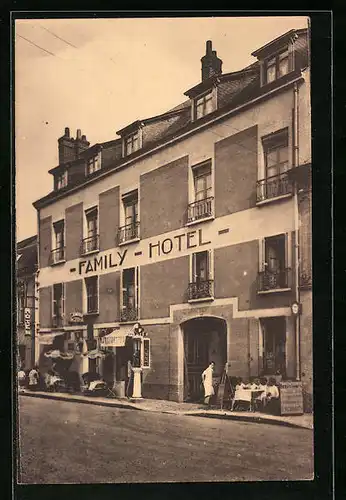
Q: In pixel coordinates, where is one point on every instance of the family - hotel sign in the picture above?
(178, 243)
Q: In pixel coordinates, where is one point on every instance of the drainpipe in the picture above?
(296, 223)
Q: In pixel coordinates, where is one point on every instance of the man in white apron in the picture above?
(207, 379)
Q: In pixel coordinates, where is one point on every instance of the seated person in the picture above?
(255, 384)
(260, 400)
(240, 384)
(21, 378)
(242, 396)
(272, 397)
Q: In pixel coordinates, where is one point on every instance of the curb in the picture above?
(203, 414)
(246, 418)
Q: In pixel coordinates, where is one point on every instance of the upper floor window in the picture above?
(21, 302)
(58, 252)
(58, 304)
(91, 240)
(132, 143)
(276, 154)
(93, 164)
(204, 105)
(130, 299)
(202, 206)
(92, 294)
(277, 65)
(61, 180)
(275, 263)
(201, 283)
(130, 230)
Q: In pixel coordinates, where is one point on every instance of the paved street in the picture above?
(63, 442)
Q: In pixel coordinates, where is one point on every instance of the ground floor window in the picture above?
(274, 346)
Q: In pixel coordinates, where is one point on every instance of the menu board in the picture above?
(146, 352)
(291, 398)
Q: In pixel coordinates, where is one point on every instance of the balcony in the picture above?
(90, 244)
(128, 314)
(57, 321)
(278, 186)
(128, 233)
(57, 256)
(270, 281)
(201, 209)
(201, 290)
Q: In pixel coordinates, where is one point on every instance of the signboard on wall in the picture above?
(146, 352)
(27, 320)
(291, 398)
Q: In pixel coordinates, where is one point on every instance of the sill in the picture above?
(274, 290)
(58, 263)
(197, 221)
(276, 198)
(90, 253)
(132, 322)
(202, 299)
(128, 242)
(91, 313)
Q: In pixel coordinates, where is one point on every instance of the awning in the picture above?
(117, 338)
(96, 353)
(57, 354)
(47, 338)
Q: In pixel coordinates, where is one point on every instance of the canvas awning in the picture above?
(56, 354)
(96, 353)
(47, 338)
(117, 338)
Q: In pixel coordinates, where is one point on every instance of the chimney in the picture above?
(70, 148)
(211, 64)
(81, 143)
(66, 147)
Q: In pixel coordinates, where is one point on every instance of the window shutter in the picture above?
(137, 289)
(288, 250)
(261, 254)
(63, 299)
(193, 268)
(210, 265)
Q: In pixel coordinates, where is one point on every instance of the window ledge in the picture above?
(90, 253)
(91, 313)
(58, 263)
(197, 221)
(202, 299)
(276, 198)
(274, 290)
(132, 322)
(128, 242)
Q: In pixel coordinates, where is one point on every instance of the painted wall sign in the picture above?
(179, 242)
(291, 398)
(27, 320)
(101, 263)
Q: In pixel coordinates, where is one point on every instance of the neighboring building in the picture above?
(188, 223)
(26, 268)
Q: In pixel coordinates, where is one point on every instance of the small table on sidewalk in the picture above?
(246, 395)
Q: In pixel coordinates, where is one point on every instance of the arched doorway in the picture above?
(205, 340)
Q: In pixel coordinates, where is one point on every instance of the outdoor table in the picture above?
(247, 395)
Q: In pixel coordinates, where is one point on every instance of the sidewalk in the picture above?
(188, 409)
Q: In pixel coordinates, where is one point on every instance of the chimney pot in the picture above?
(79, 133)
(67, 132)
(211, 64)
(208, 47)
(83, 137)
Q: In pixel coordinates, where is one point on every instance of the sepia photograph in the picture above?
(163, 281)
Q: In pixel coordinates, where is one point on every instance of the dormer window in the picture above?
(61, 180)
(132, 143)
(277, 66)
(93, 164)
(204, 104)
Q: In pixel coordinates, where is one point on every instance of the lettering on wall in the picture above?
(180, 242)
(101, 263)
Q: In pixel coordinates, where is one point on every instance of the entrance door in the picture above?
(205, 340)
(274, 346)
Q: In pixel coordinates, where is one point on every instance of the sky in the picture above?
(99, 75)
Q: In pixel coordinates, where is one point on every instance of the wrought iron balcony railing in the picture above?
(128, 232)
(273, 187)
(57, 321)
(128, 313)
(200, 290)
(200, 209)
(57, 255)
(274, 280)
(90, 244)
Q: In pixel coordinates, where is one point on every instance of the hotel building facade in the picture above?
(196, 224)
